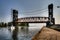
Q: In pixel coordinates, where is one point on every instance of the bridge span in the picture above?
(33, 20)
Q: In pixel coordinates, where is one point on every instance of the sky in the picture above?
(28, 8)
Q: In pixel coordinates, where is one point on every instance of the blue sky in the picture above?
(25, 7)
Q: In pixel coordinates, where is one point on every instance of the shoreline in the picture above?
(47, 34)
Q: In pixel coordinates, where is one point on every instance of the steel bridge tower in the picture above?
(15, 17)
(51, 20)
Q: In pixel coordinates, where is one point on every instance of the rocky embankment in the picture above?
(47, 34)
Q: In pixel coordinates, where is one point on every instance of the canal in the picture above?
(9, 33)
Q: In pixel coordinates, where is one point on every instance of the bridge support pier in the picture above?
(50, 23)
(24, 25)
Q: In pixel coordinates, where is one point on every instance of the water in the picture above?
(9, 33)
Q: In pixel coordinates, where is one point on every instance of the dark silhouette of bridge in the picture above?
(50, 20)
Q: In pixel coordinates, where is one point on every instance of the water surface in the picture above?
(9, 33)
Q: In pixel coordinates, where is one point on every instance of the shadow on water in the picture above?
(15, 33)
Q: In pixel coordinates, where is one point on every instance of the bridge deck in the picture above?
(33, 20)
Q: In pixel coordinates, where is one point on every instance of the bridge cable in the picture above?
(35, 11)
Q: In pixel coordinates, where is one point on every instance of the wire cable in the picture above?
(35, 11)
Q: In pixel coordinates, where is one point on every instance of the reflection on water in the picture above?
(5, 34)
(14, 35)
(10, 33)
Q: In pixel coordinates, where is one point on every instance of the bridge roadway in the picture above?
(33, 20)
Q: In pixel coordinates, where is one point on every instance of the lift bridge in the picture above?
(50, 20)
